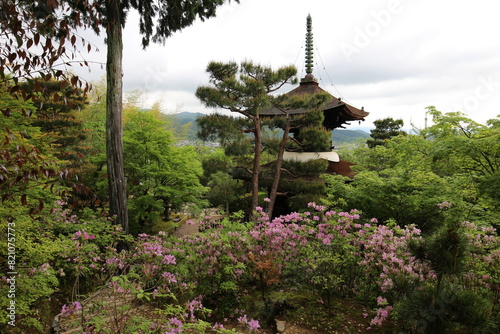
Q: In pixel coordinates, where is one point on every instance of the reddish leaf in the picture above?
(63, 85)
(12, 57)
(6, 112)
(24, 200)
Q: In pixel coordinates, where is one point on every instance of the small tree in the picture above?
(223, 189)
(159, 174)
(446, 304)
(29, 168)
(385, 129)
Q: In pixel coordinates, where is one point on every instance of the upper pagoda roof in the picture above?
(335, 110)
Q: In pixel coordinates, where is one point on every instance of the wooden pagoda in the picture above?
(295, 189)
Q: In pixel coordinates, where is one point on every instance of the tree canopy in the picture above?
(245, 89)
(159, 175)
(454, 160)
(50, 25)
(384, 130)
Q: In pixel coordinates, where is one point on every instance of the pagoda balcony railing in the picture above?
(306, 156)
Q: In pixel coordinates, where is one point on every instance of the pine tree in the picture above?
(245, 89)
(384, 130)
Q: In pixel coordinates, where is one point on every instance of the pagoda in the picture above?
(336, 112)
(302, 182)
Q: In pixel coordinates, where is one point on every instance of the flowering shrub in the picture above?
(335, 254)
(187, 281)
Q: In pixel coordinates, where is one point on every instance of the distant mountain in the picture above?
(186, 117)
(341, 136)
(184, 125)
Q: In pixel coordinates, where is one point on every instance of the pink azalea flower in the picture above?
(253, 324)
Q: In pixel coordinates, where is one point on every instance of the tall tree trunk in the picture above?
(279, 163)
(256, 165)
(114, 133)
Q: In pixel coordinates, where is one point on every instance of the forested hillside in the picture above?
(340, 136)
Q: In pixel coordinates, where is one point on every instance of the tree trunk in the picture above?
(279, 163)
(114, 134)
(256, 165)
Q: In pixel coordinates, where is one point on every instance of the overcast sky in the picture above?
(392, 57)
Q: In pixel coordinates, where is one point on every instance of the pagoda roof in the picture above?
(336, 111)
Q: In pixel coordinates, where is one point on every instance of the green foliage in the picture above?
(159, 174)
(302, 182)
(221, 128)
(452, 310)
(445, 249)
(56, 113)
(36, 279)
(313, 139)
(30, 169)
(312, 118)
(454, 160)
(55, 253)
(223, 190)
(332, 268)
(215, 162)
(446, 303)
(406, 196)
(384, 130)
(309, 168)
(462, 146)
(309, 132)
(243, 88)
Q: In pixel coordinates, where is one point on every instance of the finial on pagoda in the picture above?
(309, 46)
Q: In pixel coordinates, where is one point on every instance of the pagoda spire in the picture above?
(309, 46)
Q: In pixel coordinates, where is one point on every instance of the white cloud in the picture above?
(417, 53)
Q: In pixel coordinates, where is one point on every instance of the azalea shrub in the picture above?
(331, 254)
(248, 273)
(341, 254)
